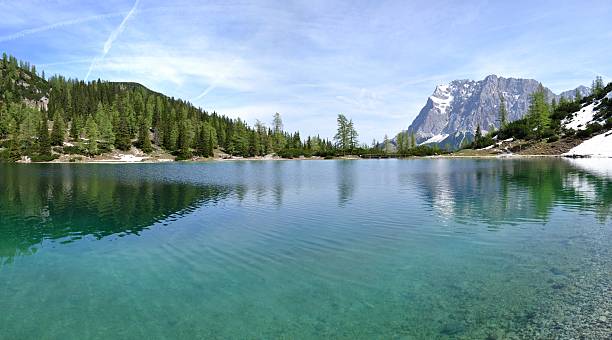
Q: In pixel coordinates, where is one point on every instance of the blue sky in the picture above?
(375, 61)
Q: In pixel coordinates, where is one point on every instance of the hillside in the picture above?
(42, 119)
(574, 128)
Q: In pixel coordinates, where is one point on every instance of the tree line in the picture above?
(42, 118)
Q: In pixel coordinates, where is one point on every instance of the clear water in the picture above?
(300, 249)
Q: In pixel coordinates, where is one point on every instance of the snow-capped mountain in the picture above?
(454, 111)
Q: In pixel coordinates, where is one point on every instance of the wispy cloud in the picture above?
(113, 36)
(377, 62)
(61, 24)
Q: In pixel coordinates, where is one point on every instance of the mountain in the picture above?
(454, 111)
(571, 94)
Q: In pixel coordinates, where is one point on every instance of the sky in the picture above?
(374, 61)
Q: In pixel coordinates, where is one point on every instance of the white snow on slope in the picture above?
(598, 146)
(435, 139)
(442, 97)
(580, 119)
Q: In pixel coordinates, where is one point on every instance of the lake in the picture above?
(412, 249)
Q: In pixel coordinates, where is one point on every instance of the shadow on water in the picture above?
(508, 192)
(67, 203)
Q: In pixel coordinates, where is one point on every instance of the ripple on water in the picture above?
(398, 248)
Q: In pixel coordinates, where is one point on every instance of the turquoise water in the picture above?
(413, 249)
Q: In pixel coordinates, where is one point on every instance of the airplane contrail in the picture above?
(60, 24)
(113, 36)
(216, 81)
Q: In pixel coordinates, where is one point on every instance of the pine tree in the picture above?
(144, 140)
(5, 121)
(205, 140)
(123, 138)
(44, 143)
(105, 126)
(399, 140)
(342, 137)
(539, 111)
(503, 113)
(597, 87)
(75, 128)
(58, 133)
(91, 132)
(279, 140)
(254, 144)
(352, 136)
(184, 140)
(478, 134)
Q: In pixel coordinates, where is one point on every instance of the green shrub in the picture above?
(553, 139)
(43, 158)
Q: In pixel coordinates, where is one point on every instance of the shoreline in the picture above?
(147, 160)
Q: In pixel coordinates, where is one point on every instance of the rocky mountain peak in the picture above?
(454, 111)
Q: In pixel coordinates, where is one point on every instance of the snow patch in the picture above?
(130, 158)
(579, 120)
(435, 139)
(442, 97)
(598, 146)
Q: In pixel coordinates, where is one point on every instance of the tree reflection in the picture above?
(67, 203)
(346, 178)
(511, 191)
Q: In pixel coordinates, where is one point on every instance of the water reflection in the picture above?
(67, 203)
(508, 192)
(346, 176)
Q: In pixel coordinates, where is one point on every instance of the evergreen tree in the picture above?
(343, 135)
(254, 144)
(399, 140)
(144, 140)
(539, 112)
(503, 113)
(28, 128)
(91, 133)
(105, 126)
(279, 139)
(386, 144)
(203, 148)
(5, 121)
(352, 136)
(184, 140)
(44, 143)
(597, 87)
(58, 133)
(478, 134)
(75, 128)
(123, 137)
